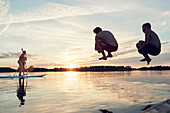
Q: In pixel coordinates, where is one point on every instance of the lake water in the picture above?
(84, 92)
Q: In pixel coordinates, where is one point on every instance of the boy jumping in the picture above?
(151, 45)
(104, 40)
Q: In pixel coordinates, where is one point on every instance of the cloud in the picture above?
(124, 52)
(4, 7)
(16, 55)
(129, 43)
(126, 47)
(9, 55)
(48, 65)
(51, 11)
(129, 61)
(57, 10)
(163, 23)
(76, 49)
(66, 28)
(166, 13)
(165, 42)
(33, 57)
(5, 27)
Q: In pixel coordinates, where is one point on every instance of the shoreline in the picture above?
(92, 69)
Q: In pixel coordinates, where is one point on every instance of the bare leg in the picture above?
(147, 58)
(23, 68)
(20, 68)
(23, 71)
(20, 71)
(104, 56)
(101, 50)
(109, 54)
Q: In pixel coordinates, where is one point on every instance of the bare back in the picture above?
(22, 58)
(108, 37)
(152, 38)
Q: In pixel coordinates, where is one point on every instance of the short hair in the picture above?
(97, 30)
(24, 52)
(147, 25)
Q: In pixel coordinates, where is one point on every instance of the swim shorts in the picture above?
(104, 46)
(152, 50)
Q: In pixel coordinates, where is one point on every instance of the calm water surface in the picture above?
(84, 92)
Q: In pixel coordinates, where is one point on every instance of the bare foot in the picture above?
(109, 55)
(143, 60)
(148, 61)
(103, 58)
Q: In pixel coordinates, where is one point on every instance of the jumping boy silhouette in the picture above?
(104, 40)
(151, 45)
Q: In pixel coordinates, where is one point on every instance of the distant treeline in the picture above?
(91, 68)
(155, 68)
(7, 69)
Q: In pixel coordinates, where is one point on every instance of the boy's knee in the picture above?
(139, 44)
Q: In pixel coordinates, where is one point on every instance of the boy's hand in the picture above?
(140, 50)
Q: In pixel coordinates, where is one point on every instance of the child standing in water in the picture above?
(151, 45)
(22, 62)
(105, 40)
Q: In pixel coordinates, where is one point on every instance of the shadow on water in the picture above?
(21, 90)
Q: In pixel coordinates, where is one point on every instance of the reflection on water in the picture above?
(21, 91)
(84, 92)
(71, 75)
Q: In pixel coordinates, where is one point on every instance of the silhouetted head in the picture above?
(146, 26)
(24, 52)
(97, 30)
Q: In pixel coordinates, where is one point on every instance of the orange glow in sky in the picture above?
(71, 66)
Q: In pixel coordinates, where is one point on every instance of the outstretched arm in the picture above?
(22, 49)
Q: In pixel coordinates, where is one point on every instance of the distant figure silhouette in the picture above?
(21, 91)
(151, 45)
(22, 62)
(104, 40)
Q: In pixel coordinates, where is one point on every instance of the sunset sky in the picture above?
(58, 33)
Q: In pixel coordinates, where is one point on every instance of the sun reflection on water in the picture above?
(87, 92)
(71, 75)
